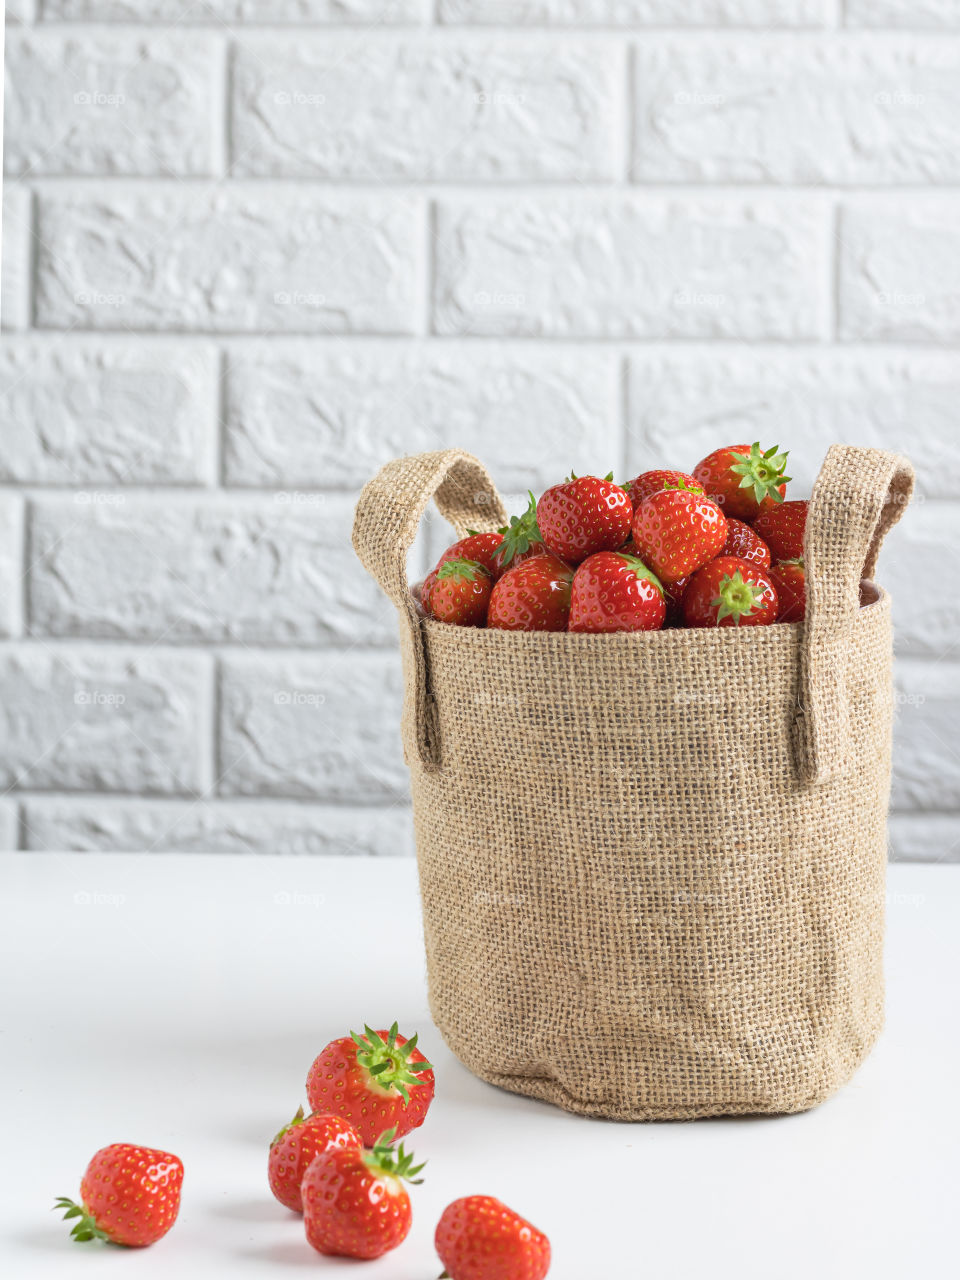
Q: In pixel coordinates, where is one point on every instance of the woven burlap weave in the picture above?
(652, 865)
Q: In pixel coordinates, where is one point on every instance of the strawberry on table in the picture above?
(460, 593)
(675, 532)
(521, 538)
(582, 516)
(730, 592)
(129, 1195)
(782, 529)
(376, 1081)
(481, 548)
(788, 578)
(296, 1145)
(653, 481)
(354, 1202)
(616, 592)
(745, 542)
(479, 1238)
(532, 596)
(742, 478)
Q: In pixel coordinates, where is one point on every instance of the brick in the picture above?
(330, 419)
(241, 260)
(926, 764)
(365, 13)
(317, 107)
(628, 13)
(899, 276)
(325, 726)
(925, 837)
(917, 563)
(123, 413)
(619, 267)
(11, 564)
(796, 111)
(903, 13)
(83, 104)
(103, 720)
(19, 12)
(261, 827)
(277, 569)
(9, 826)
(15, 265)
(682, 405)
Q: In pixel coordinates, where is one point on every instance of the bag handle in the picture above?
(387, 517)
(858, 496)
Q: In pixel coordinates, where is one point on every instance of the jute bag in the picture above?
(652, 865)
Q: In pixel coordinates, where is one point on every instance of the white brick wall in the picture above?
(254, 248)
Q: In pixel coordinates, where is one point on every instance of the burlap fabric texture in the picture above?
(652, 865)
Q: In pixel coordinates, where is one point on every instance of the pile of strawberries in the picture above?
(342, 1167)
(719, 547)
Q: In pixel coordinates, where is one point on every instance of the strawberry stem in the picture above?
(387, 1062)
(762, 472)
(391, 1161)
(520, 534)
(297, 1119)
(641, 570)
(462, 570)
(86, 1228)
(736, 599)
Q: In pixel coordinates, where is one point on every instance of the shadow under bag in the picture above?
(652, 864)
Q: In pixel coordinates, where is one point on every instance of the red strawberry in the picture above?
(479, 1238)
(746, 543)
(130, 1195)
(741, 478)
(730, 592)
(295, 1146)
(653, 481)
(354, 1202)
(673, 596)
(521, 538)
(788, 578)
(481, 548)
(421, 592)
(676, 532)
(532, 596)
(375, 1081)
(582, 516)
(782, 529)
(461, 593)
(615, 592)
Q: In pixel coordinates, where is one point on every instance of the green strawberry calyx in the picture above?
(388, 1062)
(389, 1161)
(86, 1227)
(297, 1119)
(520, 534)
(736, 598)
(763, 472)
(641, 570)
(462, 570)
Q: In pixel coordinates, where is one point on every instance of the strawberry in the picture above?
(615, 592)
(479, 1238)
(745, 542)
(652, 481)
(730, 592)
(788, 578)
(675, 532)
(482, 548)
(582, 516)
(461, 593)
(129, 1195)
(532, 596)
(354, 1202)
(521, 538)
(421, 592)
(673, 598)
(295, 1146)
(375, 1081)
(742, 478)
(782, 529)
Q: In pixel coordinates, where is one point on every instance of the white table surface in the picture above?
(177, 1001)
